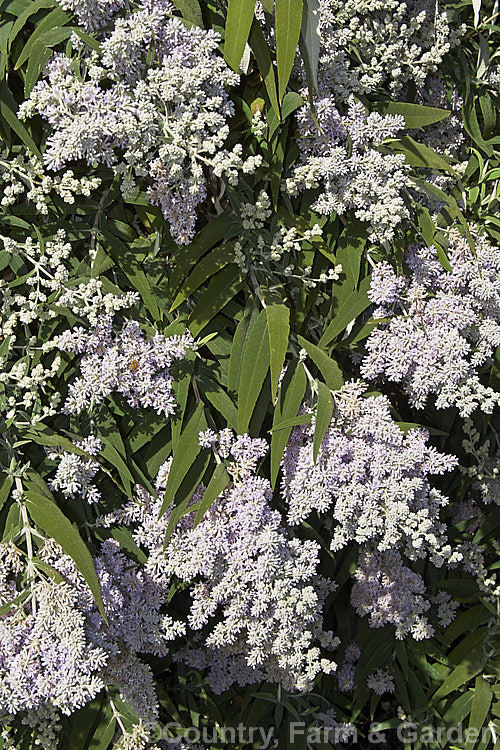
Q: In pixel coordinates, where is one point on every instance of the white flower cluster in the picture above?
(162, 121)
(256, 595)
(23, 177)
(369, 44)
(389, 592)
(28, 362)
(381, 682)
(342, 156)
(75, 473)
(258, 248)
(371, 477)
(92, 14)
(443, 325)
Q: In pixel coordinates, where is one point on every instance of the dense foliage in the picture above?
(249, 374)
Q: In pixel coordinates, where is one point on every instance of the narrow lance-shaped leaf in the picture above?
(260, 49)
(185, 493)
(52, 520)
(310, 42)
(239, 21)
(464, 672)
(327, 366)
(324, 413)
(288, 15)
(292, 422)
(8, 109)
(290, 103)
(357, 302)
(419, 155)
(278, 325)
(240, 336)
(216, 486)
(254, 367)
(480, 706)
(416, 115)
(218, 293)
(290, 397)
(204, 269)
(187, 450)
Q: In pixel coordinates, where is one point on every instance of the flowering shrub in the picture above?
(249, 373)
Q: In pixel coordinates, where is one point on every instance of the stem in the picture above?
(30, 573)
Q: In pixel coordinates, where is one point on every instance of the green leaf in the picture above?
(207, 267)
(288, 15)
(459, 709)
(418, 155)
(21, 20)
(356, 303)
(140, 282)
(5, 488)
(219, 292)
(327, 366)
(55, 18)
(310, 42)
(224, 405)
(8, 108)
(52, 520)
(426, 225)
(290, 103)
(292, 422)
(181, 389)
(110, 453)
(188, 256)
(191, 11)
(89, 40)
(480, 707)
(464, 672)
(105, 731)
(186, 491)
(240, 336)
(101, 263)
(43, 435)
(216, 486)
(185, 455)
(324, 413)
(124, 537)
(255, 362)
(349, 251)
(471, 124)
(452, 209)
(290, 396)
(260, 49)
(278, 326)
(4, 608)
(240, 16)
(416, 115)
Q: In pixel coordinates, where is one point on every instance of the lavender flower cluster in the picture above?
(124, 362)
(56, 650)
(257, 599)
(391, 593)
(368, 44)
(372, 477)
(443, 325)
(92, 14)
(164, 118)
(341, 155)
